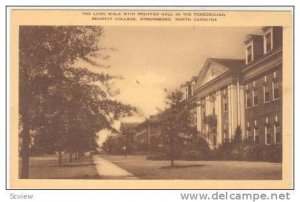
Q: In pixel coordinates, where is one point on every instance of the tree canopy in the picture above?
(65, 105)
(177, 124)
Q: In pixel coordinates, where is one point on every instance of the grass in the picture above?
(217, 170)
(46, 167)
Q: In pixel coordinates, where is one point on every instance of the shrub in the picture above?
(250, 152)
(272, 153)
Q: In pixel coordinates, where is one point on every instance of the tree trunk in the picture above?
(59, 158)
(25, 152)
(71, 156)
(172, 149)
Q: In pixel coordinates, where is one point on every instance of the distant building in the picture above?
(148, 136)
(128, 134)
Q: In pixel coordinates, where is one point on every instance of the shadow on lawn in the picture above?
(85, 177)
(74, 165)
(182, 166)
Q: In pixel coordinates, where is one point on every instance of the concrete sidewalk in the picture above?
(108, 170)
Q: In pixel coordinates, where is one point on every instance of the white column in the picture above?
(219, 117)
(234, 109)
(238, 103)
(207, 112)
(229, 113)
(199, 116)
(242, 110)
(207, 105)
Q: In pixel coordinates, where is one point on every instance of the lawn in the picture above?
(46, 167)
(218, 170)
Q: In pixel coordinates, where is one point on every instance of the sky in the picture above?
(151, 59)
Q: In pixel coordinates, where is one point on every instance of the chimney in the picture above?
(254, 47)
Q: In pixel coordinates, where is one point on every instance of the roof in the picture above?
(128, 126)
(252, 36)
(154, 119)
(229, 63)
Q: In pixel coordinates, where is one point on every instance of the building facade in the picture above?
(230, 95)
(245, 93)
(148, 136)
(262, 78)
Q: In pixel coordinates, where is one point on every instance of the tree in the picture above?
(238, 135)
(65, 104)
(176, 124)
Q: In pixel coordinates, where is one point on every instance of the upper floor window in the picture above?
(255, 97)
(193, 88)
(225, 103)
(267, 93)
(249, 54)
(268, 42)
(275, 86)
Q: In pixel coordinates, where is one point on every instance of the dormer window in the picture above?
(269, 34)
(193, 87)
(249, 54)
(268, 42)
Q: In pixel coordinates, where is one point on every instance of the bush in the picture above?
(250, 152)
(272, 153)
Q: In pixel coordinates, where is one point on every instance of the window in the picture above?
(195, 117)
(193, 87)
(225, 103)
(277, 133)
(203, 114)
(267, 135)
(249, 54)
(249, 134)
(275, 86)
(267, 93)
(255, 97)
(186, 93)
(212, 100)
(256, 135)
(268, 42)
(248, 99)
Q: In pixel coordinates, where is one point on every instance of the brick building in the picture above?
(262, 78)
(245, 93)
(229, 94)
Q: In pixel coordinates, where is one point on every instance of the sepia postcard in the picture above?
(150, 98)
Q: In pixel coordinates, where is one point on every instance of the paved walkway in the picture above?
(108, 170)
